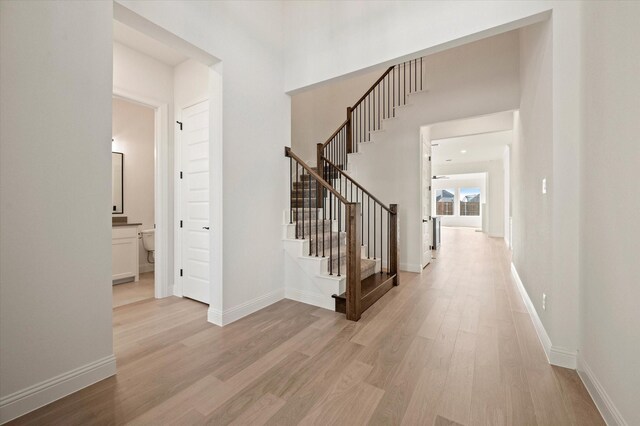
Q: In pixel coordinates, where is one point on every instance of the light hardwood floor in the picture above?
(131, 292)
(453, 345)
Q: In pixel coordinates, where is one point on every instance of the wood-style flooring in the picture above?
(453, 345)
(131, 292)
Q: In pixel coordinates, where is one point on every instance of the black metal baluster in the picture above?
(415, 75)
(302, 198)
(295, 193)
(379, 123)
(291, 191)
(324, 211)
(339, 227)
(368, 225)
(368, 117)
(309, 200)
(388, 242)
(404, 83)
(315, 198)
(361, 217)
(381, 239)
(394, 91)
(330, 233)
(409, 76)
(374, 231)
(421, 73)
(384, 101)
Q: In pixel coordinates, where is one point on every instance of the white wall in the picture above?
(454, 184)
(133, 133)
(328, 39)
(247, 38)
(506, 166)
(55, 219)
(190, 85)
(532, 162)
(609, 229)
(494, 193)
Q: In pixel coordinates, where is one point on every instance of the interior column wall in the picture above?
(609, 293)
(55, 217)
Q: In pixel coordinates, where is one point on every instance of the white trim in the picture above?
(410, 267)
(45, 392)
(555, 355)
(314, 299)
(216, 191)
(563, 357)
(161, 187)
(603, 402)
(177, 203)
(242, 310)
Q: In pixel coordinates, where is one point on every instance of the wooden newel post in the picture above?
(349, 135)
(393, 243)
(321, 172)
(354, 284)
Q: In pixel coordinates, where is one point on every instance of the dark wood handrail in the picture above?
(373, 86)
(335, 133)
(358, 185)
(289, 153)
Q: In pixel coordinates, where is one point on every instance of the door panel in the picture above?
(195, 201)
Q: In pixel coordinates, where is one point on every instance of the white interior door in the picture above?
(427, 224)
(195, 202)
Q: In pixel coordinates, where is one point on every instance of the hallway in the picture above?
(453, 345)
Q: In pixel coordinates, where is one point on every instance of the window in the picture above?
(469, 201)
(444, 202)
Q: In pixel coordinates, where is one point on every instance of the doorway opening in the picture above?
(468, 178)
(180, 86)
(133, 195)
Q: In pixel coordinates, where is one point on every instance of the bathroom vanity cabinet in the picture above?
(124, 251)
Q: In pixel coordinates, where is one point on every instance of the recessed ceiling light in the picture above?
(464, 151)
(448, 159)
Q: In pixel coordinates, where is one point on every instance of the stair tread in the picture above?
(369, 284)
(365, 265)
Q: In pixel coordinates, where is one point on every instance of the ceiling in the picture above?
(145, 44)
(481, 147)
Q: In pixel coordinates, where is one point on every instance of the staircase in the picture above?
(340, 239)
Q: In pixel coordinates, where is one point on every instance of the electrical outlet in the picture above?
(544, 185)
(544, 301)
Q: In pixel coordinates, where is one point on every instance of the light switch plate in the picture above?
(544, 185)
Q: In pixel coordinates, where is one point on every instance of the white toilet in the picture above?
(148, 240)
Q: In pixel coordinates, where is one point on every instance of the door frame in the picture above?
(425, 137)
(161, 186)
(177, 192)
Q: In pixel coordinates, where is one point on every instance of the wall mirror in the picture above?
(117, 183)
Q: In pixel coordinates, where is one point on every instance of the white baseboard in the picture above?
(247, 308)
(214, 316)
(603, 402)
(555, 355)
(43, 393)
(146, 267)
(410, 267)
(309, 298)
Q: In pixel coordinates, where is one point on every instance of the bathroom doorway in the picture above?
(133, 199)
